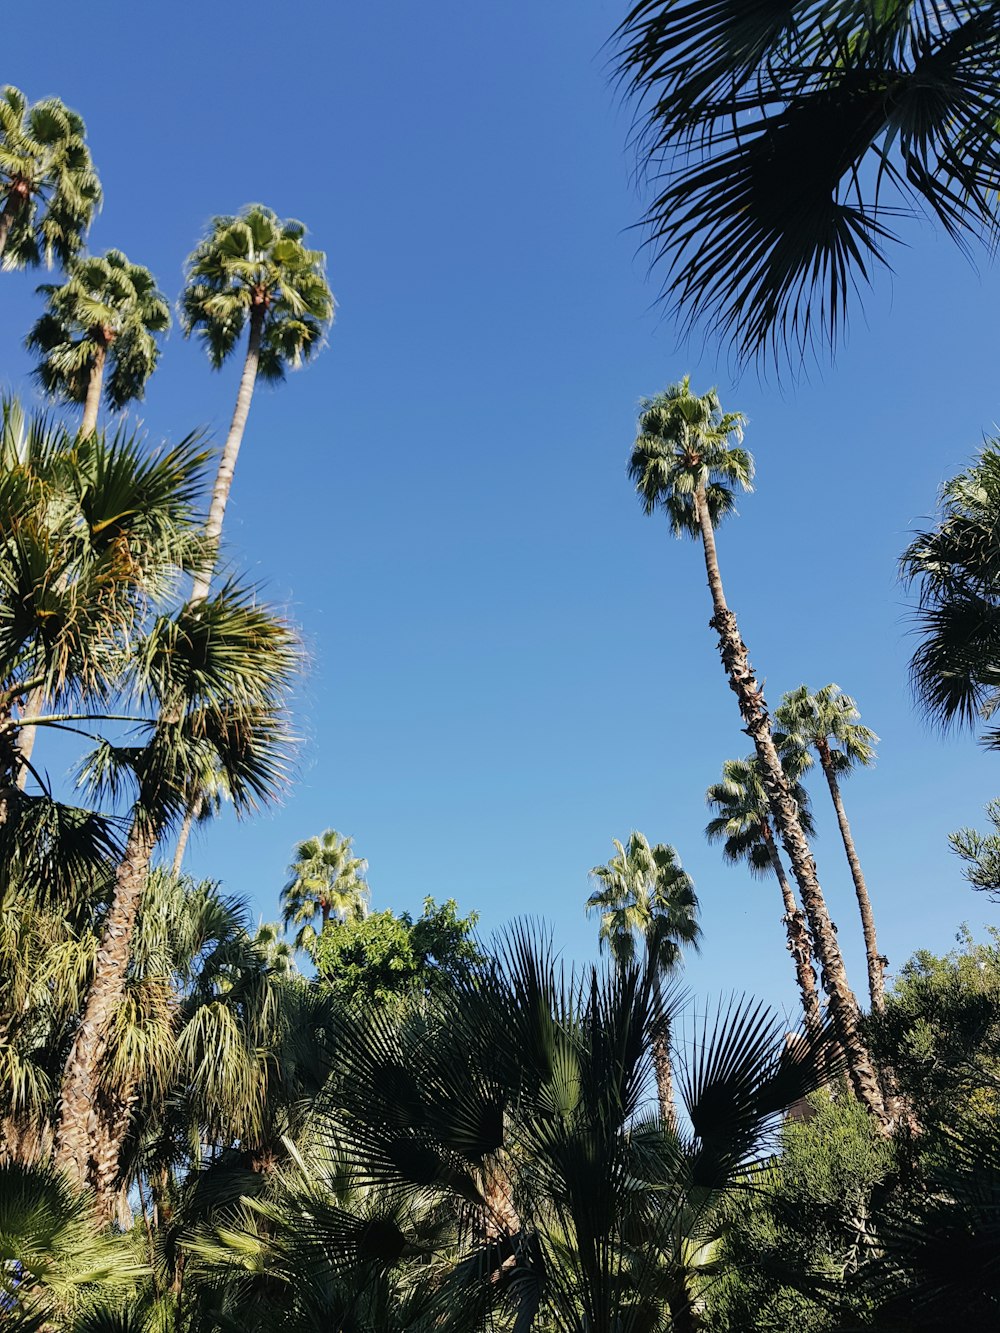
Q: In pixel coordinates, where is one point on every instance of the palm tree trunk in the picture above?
(94, 387)
(876, 963)
(799, 943)
(190, 815)
(16, 200)
(662, 1068)
(753, 709)
(81, 1134)
(231, 449)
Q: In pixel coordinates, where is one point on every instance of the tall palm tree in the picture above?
(48, 186)
(829, 723)
(325, 881)
(742, 823)
(956, 568)
(647, 905)
(252, 271)
(215, 676)
(107, 312)
(685, 461)
(785, 138)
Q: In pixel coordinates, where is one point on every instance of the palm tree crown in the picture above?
(743, 819)
(255, 264)
(325, 881)
(686, 444)
(48, 186)
(776, 133)
(828, 721)
(956, 567)
(107, 308)
(645, 896)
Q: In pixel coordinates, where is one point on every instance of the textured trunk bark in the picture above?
(94, 387)
(231, 449)
(799, 943)
(659, 1041)
(16, 200)
(876, 963)
(86, 1124)
(753, 709)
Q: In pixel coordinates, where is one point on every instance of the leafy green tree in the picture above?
(48, 186)
(981, 853)
(648, 909)
(685, 461)
(214, 676)
(384, 957)
(829, 723)
(742, 823)
(785, 138)
(956, 569)
(107, 313)
(325, 881)
(791, 1247)
(252, 271)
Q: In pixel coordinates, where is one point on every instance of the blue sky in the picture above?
(509, 665)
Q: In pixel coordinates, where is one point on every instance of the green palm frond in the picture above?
(687, 445)
(254, 260)
(109, 306)
(743, 815)
(49, 189)
(873, 111)
(828, 721)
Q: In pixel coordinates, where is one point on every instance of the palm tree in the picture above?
(48, 185)
(646, 900)
(107, 311)
(215, 676)
(325, 881)
(515, 1104)
(253, 271)
(784, 139)
(829, 723)
(685, 460)
(742, 824)
(956, 567)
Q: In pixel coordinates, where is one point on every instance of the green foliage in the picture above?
(941, 1031)
(325, 882)
(827, 721)
(955, 567)
(789, 1247)
(742, 822)
(106, 307)
(48, 186)
(981, 853)
(686, 447)
(784, 138)
(255, 264)
(385, 957)
(646, 898)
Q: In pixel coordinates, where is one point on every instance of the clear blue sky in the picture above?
(509, 665)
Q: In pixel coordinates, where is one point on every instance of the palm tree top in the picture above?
(45, 166)
(254, 265)
(686, 444)
(743, 818)
(325, 880)
(643, 894)
(828, 721)
(776, 135)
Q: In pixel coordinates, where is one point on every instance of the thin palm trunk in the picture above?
(876, 963)
(95, 385)
(190, 815)
(87, 1130)
(660, 1051)
(227, 463)
(16, 200)
(799, 943)
(753, 709)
